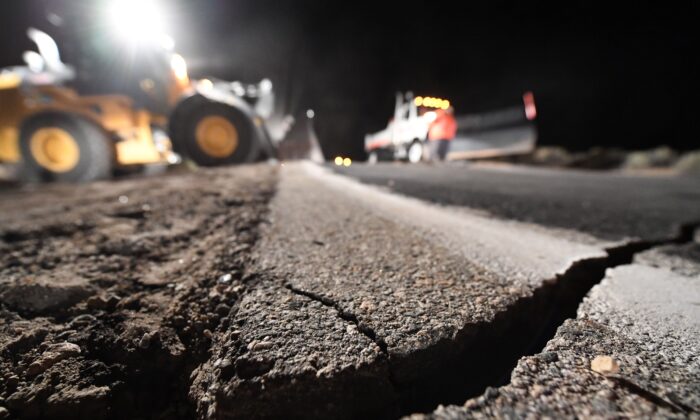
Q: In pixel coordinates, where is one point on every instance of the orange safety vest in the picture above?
(443, 128)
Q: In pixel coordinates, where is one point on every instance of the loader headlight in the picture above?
(139, 22)
(179, 67)
(205, 84)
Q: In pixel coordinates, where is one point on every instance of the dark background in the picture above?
(614, 76)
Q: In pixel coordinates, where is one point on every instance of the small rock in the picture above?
(261, 345)
(490, 393)
(53, 354)
(537, 390)
(223, 309)
(103, 302)
(367, 306)
(324, 372)
(227, 369)
(248, 368)
(12, 381)
(472, 404)
(605, 365)
(27, 340)
(225, 279)
(112, 301)
(4, 413)
(145, 341)
(549, 357)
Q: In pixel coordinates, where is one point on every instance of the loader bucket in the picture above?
(301, 142)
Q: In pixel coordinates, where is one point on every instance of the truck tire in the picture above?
(380, 155)
(213, 134)
(59, 147)
(373, 157)
(415, 152)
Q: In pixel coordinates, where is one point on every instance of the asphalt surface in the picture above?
(423, 314)
(382, 305)
(607, 205)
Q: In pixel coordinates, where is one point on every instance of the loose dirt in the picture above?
(110, 293)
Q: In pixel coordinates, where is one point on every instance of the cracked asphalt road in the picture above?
(273, 292)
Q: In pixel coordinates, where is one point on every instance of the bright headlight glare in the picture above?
(179, 67)
(206, 84)
(138, 21)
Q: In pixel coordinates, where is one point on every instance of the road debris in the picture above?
(605, 365)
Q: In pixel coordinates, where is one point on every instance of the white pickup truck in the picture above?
(501, 132)
(405, 136)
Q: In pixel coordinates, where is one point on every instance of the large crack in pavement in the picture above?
(630, 351)
(583, 275)
(530, 323)
(445, 304)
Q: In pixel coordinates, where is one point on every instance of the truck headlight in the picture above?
(430, 116)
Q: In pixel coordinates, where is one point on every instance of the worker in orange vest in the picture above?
(442, 131)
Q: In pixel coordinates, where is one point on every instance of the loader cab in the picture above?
(119, 52)
(146, 75)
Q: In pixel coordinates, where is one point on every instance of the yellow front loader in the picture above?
(54, 134)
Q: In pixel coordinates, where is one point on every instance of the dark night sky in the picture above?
(624, 76)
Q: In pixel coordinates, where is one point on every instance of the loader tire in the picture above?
(214, 134)
(58, 147)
